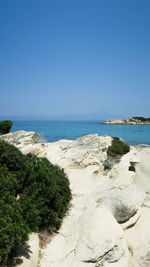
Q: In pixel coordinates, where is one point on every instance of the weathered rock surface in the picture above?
(27, 142)
(102, 240)
(80, 153)
(108, 222)
(138, 238)
(122, 204)
(21, 138)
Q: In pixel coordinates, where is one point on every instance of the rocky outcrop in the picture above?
(102, 240)
(85, 151)
(27, 142)
(103, 206)
(138, 239)
(123, 205)
(128, 121)
(107, 224)
(21, 138)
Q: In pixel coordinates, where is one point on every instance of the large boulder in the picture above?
(122, 204)
(101, 240)
(94, 239)
(21, 138)
(27, 142)
(86, 150)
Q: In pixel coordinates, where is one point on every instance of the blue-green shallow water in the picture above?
(56, 130)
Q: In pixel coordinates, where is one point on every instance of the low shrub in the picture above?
(11, 156)
(33, 194)
(142, 119)
(8, 182)
(5, 126)
(13, 229)
(15, 161)
(118, 147)
(47, 186)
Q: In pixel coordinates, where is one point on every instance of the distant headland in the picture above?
(129, 121)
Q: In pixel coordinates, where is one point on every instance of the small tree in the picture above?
(5, 126)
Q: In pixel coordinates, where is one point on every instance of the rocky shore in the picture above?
(107, 224)
(128, 121)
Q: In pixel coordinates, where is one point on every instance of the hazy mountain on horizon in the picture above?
(97, 116)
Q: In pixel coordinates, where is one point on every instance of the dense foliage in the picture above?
(118, 147)
(46, 192)
(142, 119)
(13, 229)
(33, 194)
(5, 126)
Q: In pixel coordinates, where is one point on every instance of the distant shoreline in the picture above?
(128, 121)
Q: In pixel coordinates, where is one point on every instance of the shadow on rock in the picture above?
(17, 259)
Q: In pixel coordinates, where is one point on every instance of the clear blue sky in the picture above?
(74, 57)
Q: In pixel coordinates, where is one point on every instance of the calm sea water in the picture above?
(55, 130)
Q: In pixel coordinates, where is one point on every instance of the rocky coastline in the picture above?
(129, 121)
(108, 220)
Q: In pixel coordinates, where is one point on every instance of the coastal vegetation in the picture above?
(5, 126)
(142, 119)
(114, 152)
(118, 147)
(34, 194)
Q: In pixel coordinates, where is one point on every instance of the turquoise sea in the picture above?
(55, 130)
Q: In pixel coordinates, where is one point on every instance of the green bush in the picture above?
(47, 187)
(118, 147)
(16, 163)
(8, 182)
(5, 126)
(142, 119)
(13, 229)
(34, 194)
(11, 157)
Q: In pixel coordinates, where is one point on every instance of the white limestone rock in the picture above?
(101, 239)
(108, 223)
(142, 173)
(138, 238)
(93, 239)
(122, 204)
(22, 138)
(85, 151)
(27, 142)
